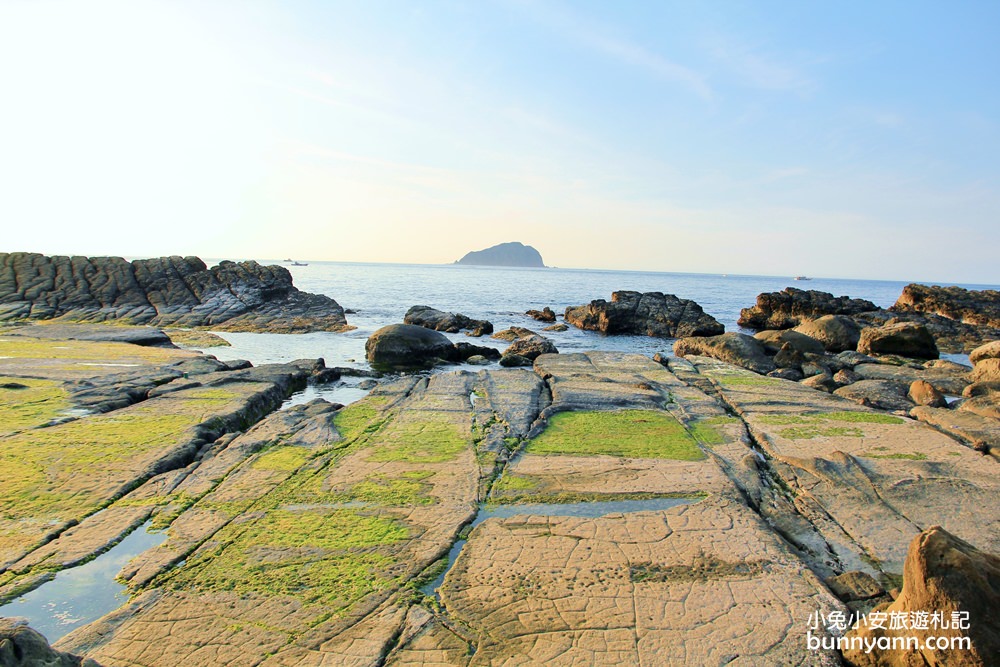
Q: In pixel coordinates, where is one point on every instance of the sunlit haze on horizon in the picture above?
(856, 140)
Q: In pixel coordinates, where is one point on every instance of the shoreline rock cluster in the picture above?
(164, 291)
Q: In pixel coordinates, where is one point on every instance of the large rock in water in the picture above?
(20, 646)
(174, 291)
(645, 314)
(792, 306)
(432, 318)
(942, 574)
(505, 254)
(407, 346)
(905, 339)
(955, 303)
(836, 333)
(734, 348)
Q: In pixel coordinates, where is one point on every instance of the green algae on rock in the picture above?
(627, 433)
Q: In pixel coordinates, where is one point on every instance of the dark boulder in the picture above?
(734, 348)
(880, 394)
(465, 351)
(774, 340)
(836, 333)
(407, 346)
(977, 307)
(905, 339)
(531, 347)
(792, 306)
(175, 291)
(514, 360)
(438, 320)
(20, 646)
(644, 314)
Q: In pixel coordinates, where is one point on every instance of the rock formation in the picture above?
(792, 306)
(20, 646)
(955, 303)
(165, 291)
(399, 347)
(644, 314)
(431, 318)
(505, 254)
(734, 348)
(945, 575)
(906, 339)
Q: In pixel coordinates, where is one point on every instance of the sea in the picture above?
(380, 294)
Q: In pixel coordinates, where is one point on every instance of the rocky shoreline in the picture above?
(814, 465)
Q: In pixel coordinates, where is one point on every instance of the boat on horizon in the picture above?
(802, 278)
(299, 264)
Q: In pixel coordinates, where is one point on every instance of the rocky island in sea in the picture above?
(598, 508)
(514, 253)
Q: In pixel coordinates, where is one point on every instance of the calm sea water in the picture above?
(380, 294)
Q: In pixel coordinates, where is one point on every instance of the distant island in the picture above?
(505, 254)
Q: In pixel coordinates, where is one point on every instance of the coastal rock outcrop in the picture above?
(644, 314)
(734, 348)
(980, 307)
(432, 318)
(792, 306)
(837, 333)
(942, 574)
(525, 347)
(505, 254)
(546, 314)
(20, 646)
(906, 339)
(407, 346)
(175, 291)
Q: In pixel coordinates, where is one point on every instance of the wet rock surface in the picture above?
(175, 291)
(305, 536)
(644, 314)
(431, 318)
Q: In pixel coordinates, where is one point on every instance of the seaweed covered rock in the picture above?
(175, 291)
(644, 314)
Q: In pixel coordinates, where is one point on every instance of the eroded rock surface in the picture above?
(175, 291)
(432, 318)
(644, 314)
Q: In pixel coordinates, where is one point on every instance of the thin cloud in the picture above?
(758, 69)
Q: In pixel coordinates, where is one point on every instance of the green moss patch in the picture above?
(747, 381)
(406, 490)
(808, 432)
(284, 459)
(567, 497)
(28, 403)
(910, 456)
(845, 416)
(333, 558)
(427, 437)
(625, 433)
(359, 418)
(706, 431)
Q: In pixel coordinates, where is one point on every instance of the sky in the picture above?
(834, 139)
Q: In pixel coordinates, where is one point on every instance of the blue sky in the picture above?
(829, 139)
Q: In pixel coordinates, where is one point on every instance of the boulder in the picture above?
(477, 360)
(977, 307)
(558, 328)
(513, 333)
(845, 377)
(836, 333)
(438, 320)
(906, 339)
(880, 394)
(922, 392)
(644, 314)
(990, 350)
(986, 370)
(407, 346)
(514, 360)
(811, 368)
(734, 348)
(945, 574)
(546, 314)
(822, 382)
(174, 291)
(20, 646)
(850, 358)
(982, 388)
(531, 347)
(788, 357)
(985, 406)
(774, 340)
(793, 374)
(791, 307)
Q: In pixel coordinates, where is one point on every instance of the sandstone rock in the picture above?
(990, 350)
(987, 370)
(407, 346)
(985, 406)
(903, 338)
(477, 360)
(956, 303)
(513, 333)
(788, 357)
(836, 333)
(791, 307)
(431, 318)
(851, 358)
(20, 646)
(855, 585)
(648, 314)
(982, 388)
(531, 346)
(774, 340)
(811, 368)
(177, 291)
(514, 360)
(880, 394)
(732, 347)
(544, 315)
(923, 393)
(945, 380)
(943, 574)
(556, 327)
